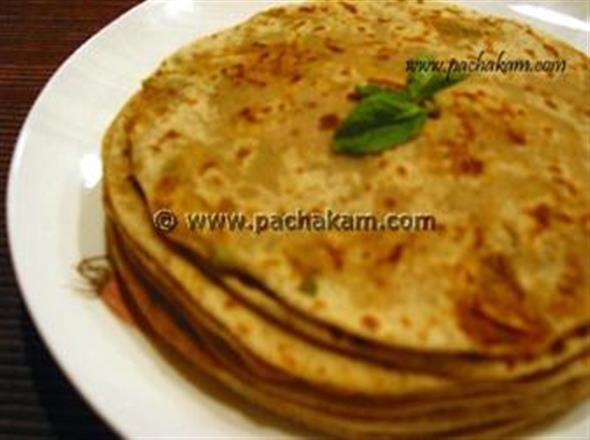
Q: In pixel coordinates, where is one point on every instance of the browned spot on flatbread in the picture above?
(516, 136)
(335, 253)
(478, 238)
(349, 7)
(541, 214)
(389, 203)
(370, 323)
(334, 47)
(248, 114)
(207, 165)
(471, 166)
(329, 121)
(243, 153)
(396, 254)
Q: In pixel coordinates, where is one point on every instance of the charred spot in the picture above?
(336, 333)
(370, 323)
(471, 166)
(296, 78)
(434, 113)
(582, 332)
(530, 53)
(550, 103)
(336, 255)
(345, 71)
(401, 170)
(382, 163)
(171, 135)
(542, 216)
(478, 238)
(349, 7)
(208, 165)
(307, 9)
(334, 47)
(389, 203)
(551, 50)
(329, 122)
(354, 96)
(558, 347)
(248, 114)
(396, 254)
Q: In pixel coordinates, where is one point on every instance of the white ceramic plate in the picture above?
(55, 219)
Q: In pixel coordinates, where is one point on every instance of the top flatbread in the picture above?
(243, 121)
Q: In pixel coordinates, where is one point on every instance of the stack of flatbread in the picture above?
(479, 328)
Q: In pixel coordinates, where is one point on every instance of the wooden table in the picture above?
(36, 36)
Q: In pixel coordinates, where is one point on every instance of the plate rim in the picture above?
(11, 204)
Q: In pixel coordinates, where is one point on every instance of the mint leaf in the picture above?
(385, 118)
(367, 90)
(382, 120)
(426, 80)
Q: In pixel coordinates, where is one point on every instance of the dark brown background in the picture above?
(36, 36)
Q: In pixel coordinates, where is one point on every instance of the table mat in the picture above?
(36, 36)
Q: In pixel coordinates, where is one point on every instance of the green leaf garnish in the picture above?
(385, 118)
(424, 83)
